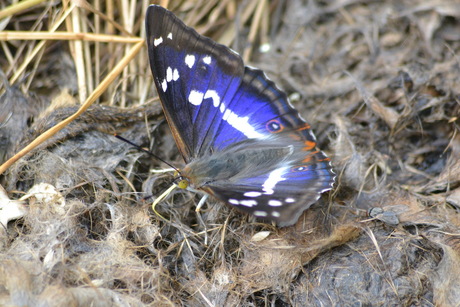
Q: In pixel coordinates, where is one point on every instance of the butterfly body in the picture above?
(241, 139)
(237, 162)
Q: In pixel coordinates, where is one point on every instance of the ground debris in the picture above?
(378, 82)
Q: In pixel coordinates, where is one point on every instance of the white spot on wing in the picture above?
(214, 96)
(276, 214)
(169, 74)
(190, 60)
(207, 60)
(170, 35)
(233, 201)
(157, 41)
(289, 200)
(239, 123)
(226, 114)
(248, 203)
(164, 85)
(260, 213)
(274, 203)
(175, 75)
(195, 97)
(274, 177)
(252, 194)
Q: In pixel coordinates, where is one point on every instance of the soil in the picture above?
(376, 80)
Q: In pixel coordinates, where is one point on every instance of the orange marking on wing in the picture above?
(303, 127)
(309, 145)
(279, 127)
(306, 160)
(309, 156)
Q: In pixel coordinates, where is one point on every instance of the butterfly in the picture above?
(241, 139)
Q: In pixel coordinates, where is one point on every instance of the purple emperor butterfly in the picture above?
(241, 139)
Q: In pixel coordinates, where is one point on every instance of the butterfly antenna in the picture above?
(146, 151)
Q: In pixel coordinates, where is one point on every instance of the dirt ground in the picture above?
(377, 80)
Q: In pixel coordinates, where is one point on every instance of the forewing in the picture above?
(190, 71)
(211, 100)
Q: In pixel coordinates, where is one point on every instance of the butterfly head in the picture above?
(180, 180)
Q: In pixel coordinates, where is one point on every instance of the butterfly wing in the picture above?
(212, 102)
(295, 189)
(275, 178)
(189, 72)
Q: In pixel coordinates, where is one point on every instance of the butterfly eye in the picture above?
(183, 183)
(274, 126)
(180, 181)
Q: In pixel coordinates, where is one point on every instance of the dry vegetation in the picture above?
(378, 81)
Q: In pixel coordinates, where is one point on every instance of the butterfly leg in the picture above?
(201, 202)
(160, 198)
(197, 210)
(200, 219)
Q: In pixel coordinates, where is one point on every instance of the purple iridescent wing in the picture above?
(242, 140)
(211, 100)
(191, 74)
